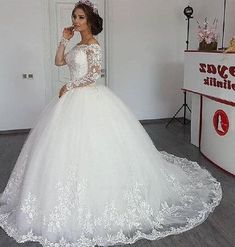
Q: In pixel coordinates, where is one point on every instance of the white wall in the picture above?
(22, 51)
(146, 44)
(146, 47)
(230, 23)
(209, 9)
(212, 9)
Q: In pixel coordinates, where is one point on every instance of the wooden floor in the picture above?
(217, 231)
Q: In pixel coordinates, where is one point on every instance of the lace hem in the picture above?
(120, 237)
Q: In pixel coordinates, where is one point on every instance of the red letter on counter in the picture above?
(232, 70)
(211, 69)
(202, 68)
(221, 71)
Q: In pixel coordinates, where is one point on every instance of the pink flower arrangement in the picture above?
(209, 34)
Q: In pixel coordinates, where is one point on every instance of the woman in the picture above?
(89, 174)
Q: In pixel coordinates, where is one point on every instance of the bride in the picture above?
(89, 174)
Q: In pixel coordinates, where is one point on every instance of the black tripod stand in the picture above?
(185, 107)
(188, 11)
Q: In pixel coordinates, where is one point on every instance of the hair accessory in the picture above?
(88, 3)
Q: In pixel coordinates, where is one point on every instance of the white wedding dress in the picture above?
(89, 174)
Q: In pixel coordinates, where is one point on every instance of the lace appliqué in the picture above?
(15, 180)
(29, 207)
(94, 59)
(138, 220)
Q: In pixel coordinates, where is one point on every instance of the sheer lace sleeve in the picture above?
(93, 52)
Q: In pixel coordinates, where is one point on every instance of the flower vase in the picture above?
(203, 46)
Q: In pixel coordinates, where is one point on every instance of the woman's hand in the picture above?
(63, 90)
(68, 32)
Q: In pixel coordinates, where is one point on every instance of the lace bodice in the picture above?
(84, 62)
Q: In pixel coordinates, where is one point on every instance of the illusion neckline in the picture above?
(87, 45)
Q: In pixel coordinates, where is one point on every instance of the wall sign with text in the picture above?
(211, 74)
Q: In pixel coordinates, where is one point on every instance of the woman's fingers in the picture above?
(63, 90)
(69, 28)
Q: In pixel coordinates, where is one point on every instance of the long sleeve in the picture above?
(93, 53)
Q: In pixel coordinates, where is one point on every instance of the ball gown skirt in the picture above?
(89, 174)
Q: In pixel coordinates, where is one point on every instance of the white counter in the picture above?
(210, 76)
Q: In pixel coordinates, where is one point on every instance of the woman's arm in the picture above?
(67, 35)
(59, 57)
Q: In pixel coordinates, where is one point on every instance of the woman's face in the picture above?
(79, 20)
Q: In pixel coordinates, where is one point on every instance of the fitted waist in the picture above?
(81, 84)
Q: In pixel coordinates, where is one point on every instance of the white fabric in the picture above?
(85, 64)
(89, 174)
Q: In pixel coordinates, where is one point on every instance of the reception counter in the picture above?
(210, 76)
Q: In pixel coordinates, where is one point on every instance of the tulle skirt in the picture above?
(89, 174)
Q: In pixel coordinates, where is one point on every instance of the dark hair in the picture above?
(93, 18)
